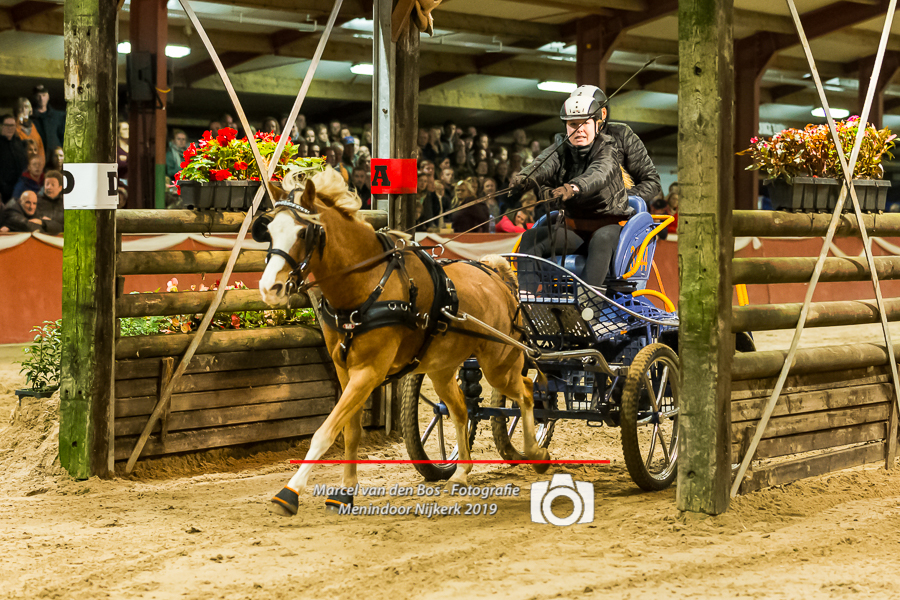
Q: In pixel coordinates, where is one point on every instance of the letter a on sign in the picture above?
(394, 175)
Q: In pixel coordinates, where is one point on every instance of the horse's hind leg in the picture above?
(448, 391)
(506, 377)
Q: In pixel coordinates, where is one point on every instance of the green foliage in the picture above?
(42, 366)
(810, 152)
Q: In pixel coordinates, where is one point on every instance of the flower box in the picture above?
(221, 195)
(820, 194)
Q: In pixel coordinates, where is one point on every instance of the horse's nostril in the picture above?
(276, 289)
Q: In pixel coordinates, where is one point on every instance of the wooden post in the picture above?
(705, 249)
(148, 32)
(90, 243)
(406, 117)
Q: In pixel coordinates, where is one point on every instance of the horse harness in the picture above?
(374, 313)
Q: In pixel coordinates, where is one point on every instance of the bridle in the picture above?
(313, 236)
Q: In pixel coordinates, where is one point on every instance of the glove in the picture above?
(566, 192)
(518, 181)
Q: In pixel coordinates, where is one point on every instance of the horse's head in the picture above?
(294, 232)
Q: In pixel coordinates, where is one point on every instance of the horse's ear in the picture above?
(308, 200)
(279, 192)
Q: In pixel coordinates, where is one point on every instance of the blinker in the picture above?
(260, 229)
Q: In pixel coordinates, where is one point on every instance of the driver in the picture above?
(586, 173)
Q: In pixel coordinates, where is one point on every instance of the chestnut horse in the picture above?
(318, 232)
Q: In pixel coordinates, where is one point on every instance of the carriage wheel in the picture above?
(649, 419)
(428, 435)
(508, 436)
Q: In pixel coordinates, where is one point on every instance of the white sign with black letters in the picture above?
(90, 186)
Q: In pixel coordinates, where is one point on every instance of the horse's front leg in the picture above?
(359, 387)
(352, 434)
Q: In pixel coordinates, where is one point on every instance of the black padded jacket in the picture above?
(596, 172)
(636, 161)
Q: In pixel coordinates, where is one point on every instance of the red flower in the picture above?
(240, 166)
(235, 321)
(220, 175)
(228, 133)
(178, 189)
(177, 176)
(184, 164)
(207, 135)
(254, 179)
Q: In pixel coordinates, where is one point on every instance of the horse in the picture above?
(382, 322)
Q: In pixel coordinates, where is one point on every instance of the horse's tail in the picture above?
(501, 266)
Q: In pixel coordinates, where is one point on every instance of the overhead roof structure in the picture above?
(482, 65)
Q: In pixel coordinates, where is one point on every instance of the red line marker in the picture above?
(448, 462)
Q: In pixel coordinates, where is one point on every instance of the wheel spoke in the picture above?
(427, 401)
(441, 438)
(663, 445)
(652, 447)
(512, 427)
(430, 428)
(663, 380)
(647, 384)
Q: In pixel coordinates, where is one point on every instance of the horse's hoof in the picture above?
(339, 503)
(459, 478)
(542, 454)
(285, 503)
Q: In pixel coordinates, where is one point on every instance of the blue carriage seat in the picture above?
(630, 239)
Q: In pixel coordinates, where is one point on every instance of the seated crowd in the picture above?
(31, 162)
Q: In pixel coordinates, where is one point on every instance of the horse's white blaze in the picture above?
(284, 231)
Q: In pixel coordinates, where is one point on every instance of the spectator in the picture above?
(300, 122)
(444, 164)
(175, 152)
(31, 179)
(309, 134)
(534, 147)
(351, 147)
(50, 123)
(431, 204)
(27, 131)
(334, 130)
(214, 127)
(50, 203)
(20, 215)
(302, 148)
(122, 152)
(332, 157)
(460, 162)
(270, 125)
(659, 206)
(227, 120)
(488, 191)
(499, 154)
(322, 136)
(13, 157)
(367, 137)
(427, 168)
(295, 133)
(422, 141)
(315, 150)
(474, 217)
(451, 134)
(520, 145)
(56, 160)
(522, 222)
(359, 182)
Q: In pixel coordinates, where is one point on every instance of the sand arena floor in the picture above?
(198, 527)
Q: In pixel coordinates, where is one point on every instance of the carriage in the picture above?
(607, 359)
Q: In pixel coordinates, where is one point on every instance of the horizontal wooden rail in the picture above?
(768, 317)
(190, 221)
(764, 223)
(799, 270)
(175, 262)
(181, 303)
(174, 344)
(758, 365)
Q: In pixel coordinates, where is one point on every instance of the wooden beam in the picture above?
(23, 11)
(705, 341)
(89, 253)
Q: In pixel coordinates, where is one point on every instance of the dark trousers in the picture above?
(600, 247)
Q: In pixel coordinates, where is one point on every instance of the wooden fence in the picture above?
(243, 385)
(838, 408)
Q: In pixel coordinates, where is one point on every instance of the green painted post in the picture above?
(89, 252)
(705, 249)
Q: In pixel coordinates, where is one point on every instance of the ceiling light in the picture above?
(836, 113)
(177, 51)
(363, 69)
(557, 86)
(124, 47)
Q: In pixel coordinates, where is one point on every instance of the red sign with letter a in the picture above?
(394, 175)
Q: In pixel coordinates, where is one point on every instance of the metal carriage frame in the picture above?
(609, 356)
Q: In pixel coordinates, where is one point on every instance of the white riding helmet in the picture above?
(585, 102)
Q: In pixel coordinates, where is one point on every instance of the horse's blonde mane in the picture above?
(329, 184)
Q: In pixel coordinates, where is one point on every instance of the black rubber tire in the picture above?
(410, 389)
(504, 445)
(650, 357)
